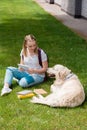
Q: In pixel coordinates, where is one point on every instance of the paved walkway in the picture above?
(77, 25)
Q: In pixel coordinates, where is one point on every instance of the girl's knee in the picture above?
(9, 71)
(8, 68)
(11, 68)
(23, 83)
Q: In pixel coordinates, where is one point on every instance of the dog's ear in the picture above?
(67, 71)
(59, 79)
(57, 75)
(62, 73)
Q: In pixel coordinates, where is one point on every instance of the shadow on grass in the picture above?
(18, 28)
(12, 33)
(51, 35)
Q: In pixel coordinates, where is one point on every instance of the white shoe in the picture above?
(5, 91)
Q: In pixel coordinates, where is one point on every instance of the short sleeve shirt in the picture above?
(33, 61)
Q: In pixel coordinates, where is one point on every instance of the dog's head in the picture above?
(63, 73)
(59, 71)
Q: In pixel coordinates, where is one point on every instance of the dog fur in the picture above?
(66, 91)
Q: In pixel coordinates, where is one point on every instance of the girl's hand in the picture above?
(21, 69)
(31, 71)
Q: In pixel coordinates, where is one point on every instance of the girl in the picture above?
(31, 76)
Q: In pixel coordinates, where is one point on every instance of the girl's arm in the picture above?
(40, 71)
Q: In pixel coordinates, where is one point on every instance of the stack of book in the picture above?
(29, 93)
(25, 94)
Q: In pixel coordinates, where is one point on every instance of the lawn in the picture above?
(18, 18)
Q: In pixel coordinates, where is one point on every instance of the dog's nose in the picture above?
(51, 75)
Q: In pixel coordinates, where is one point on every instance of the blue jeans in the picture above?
(25, 79)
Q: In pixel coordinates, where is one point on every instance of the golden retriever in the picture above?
(66, 91)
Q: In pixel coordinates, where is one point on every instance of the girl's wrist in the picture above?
(35, 71)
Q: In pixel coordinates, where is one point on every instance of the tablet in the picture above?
(26, 67)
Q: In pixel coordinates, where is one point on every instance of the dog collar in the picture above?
(69, 76)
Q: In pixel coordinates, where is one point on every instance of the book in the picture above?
(25, 67)
(25, 94)
(40, 91)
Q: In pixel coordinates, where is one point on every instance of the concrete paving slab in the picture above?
(77, 25)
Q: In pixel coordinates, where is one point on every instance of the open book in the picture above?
(40, 91)
(25, 67)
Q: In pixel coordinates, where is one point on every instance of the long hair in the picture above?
(30, 38)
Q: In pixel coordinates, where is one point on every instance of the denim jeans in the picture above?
(24, 78)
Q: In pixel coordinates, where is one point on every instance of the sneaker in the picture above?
(5, 91)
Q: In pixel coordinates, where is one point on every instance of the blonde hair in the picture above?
(30, 38)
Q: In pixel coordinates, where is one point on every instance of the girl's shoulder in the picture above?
(40, 50)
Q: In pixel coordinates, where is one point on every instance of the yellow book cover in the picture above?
(25, 96)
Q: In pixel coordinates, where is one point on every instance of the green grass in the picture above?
(18, 18)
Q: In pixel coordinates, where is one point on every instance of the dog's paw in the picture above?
(34, 99)
(40, 96)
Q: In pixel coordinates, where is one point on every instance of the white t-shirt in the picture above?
(33, 61)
